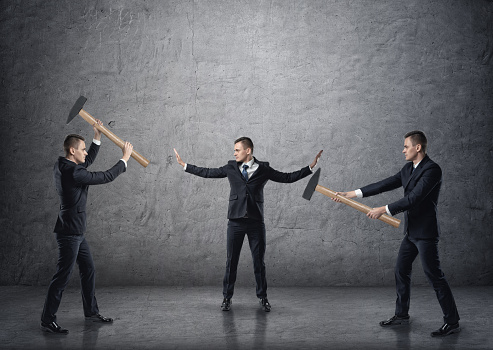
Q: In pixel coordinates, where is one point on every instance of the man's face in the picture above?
(410, 151)
(80, 152)
(242, 155)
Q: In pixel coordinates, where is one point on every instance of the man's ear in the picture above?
(72, 150)
(418, 147)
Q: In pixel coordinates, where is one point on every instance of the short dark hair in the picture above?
(246, 141)
(71, 140)
(417, 137)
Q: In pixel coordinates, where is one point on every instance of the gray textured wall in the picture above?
(349, 77)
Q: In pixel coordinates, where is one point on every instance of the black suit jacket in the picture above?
(72, 183)
(247, 196)
(421, 190)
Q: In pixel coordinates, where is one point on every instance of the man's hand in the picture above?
(375, 213)
(127, 151)
(97, 133)
(178, 158)
(351, 194)
(317, 157)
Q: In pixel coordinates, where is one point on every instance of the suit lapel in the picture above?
(410, 174)
(237, 170)
(256, 171)
(418, 170)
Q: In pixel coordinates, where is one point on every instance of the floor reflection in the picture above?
(243, 331)
(402, 336)
(260, 329)
(229, 328)
(90, 334)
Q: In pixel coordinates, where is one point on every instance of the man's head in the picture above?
(243, 149)
(415, 146)
(75, 148)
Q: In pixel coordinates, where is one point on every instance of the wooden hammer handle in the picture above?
(118, 141)
(357, 205)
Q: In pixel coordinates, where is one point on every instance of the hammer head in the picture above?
(312, 184)
(76, 108)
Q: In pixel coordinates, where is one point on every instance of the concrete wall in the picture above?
(348, 77)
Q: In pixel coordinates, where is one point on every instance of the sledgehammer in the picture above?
(313, 186)
(77, 110)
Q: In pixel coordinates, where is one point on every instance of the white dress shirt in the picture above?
(252, 167)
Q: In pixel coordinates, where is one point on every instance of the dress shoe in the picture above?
(99, 318)
(226, 305)
(446, 329)
(53, 327)
(395, 321)
(264, 304)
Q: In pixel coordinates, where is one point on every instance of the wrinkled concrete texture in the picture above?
(348, 77)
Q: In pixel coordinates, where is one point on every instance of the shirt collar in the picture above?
(250, 163)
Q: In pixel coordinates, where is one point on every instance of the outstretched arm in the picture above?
(282, 177)
(350, 194)
(199, 171)
(178, 158)
(374, 213)
(317, 157)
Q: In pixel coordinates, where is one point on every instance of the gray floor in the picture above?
(190, 318)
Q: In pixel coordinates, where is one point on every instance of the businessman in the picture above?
(421, 179)
(247, 177)
(72, 182)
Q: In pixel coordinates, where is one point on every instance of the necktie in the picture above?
(244, 172)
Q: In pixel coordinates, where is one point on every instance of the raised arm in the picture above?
(178, 158)
(317, 157)
(84, 177)
(94, 147)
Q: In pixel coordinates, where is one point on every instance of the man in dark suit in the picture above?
(421, 179)
(72, 182)
(247, 177)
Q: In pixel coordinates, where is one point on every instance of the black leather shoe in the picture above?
(395, 321)
(53, 327)
(226, 305)
(446, 329)
(99, 318)
(264, 304)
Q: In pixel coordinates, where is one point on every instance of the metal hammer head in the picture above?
(76, 108)
(312, 184)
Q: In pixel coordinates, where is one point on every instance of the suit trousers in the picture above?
(71, 249)
(255, 231)
(428, 252)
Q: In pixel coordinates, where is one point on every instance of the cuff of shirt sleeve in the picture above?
(185, 167)
(358, 192)
(124, 162)
(387, 209)
(97, 142)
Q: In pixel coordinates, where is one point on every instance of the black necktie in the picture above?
(244, 172)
